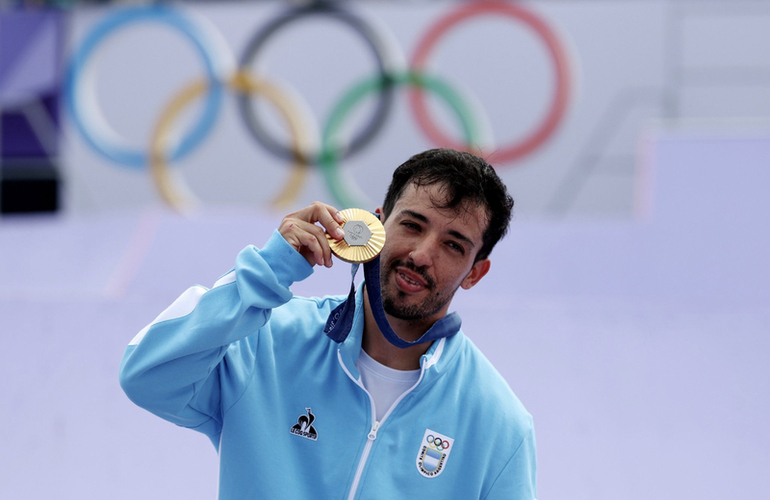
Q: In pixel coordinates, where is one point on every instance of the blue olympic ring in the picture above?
(437, 443)
(98, 135)
(124, 154)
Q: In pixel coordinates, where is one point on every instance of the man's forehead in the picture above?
(432, 199)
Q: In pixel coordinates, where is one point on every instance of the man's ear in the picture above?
(477, 272)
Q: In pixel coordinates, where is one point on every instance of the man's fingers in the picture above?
(308, 239)
(331, 220)
(326, 215)
(302, 230)
(313, 246)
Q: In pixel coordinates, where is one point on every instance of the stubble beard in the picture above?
(393, 301)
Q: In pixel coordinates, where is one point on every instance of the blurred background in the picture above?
(143, 144)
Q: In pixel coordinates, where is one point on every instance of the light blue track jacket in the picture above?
(248, 364)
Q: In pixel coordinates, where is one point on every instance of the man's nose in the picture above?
(423, 253)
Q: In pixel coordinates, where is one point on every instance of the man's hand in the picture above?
(300, 230)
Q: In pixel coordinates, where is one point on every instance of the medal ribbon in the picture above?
(341, 318)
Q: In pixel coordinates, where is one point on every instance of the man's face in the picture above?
(429, 253)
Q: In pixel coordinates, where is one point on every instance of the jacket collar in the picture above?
(434, 362)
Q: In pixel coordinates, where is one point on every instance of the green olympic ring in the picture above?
(330, 151)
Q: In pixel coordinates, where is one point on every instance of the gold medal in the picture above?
(364, 237)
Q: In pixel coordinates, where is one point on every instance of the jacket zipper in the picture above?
(372, 436)
(364, 456)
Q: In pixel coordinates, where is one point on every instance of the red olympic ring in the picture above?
(437, 443)
(559, 58)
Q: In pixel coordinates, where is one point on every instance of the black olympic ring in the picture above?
(437, 443)
(372, 38)
(389, 76)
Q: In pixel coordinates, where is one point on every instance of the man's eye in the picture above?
(410, 225)
(456, 247)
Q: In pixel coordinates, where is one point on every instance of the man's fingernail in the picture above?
(340, 233)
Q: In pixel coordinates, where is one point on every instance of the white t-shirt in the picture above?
(385, 384)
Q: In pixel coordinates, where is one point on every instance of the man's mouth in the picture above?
(412, 279)
(408, 280)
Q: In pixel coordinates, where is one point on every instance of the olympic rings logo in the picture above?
(437, 443)
(221, 76)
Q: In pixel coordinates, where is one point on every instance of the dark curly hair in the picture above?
(468, 181)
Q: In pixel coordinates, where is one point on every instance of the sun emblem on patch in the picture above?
(434, 453)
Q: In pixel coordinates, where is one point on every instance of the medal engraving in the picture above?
(357, 234)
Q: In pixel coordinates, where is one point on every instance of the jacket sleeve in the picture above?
(518, 479)
(178, 366)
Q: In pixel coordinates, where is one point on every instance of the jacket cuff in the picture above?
(288, 264)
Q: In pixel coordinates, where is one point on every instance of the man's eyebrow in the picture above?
(416, 215)
(462, 237)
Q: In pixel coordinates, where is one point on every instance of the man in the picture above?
(382, 413)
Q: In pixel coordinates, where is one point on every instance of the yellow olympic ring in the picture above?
(172, 188)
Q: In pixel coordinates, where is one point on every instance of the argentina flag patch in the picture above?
(433, 453)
